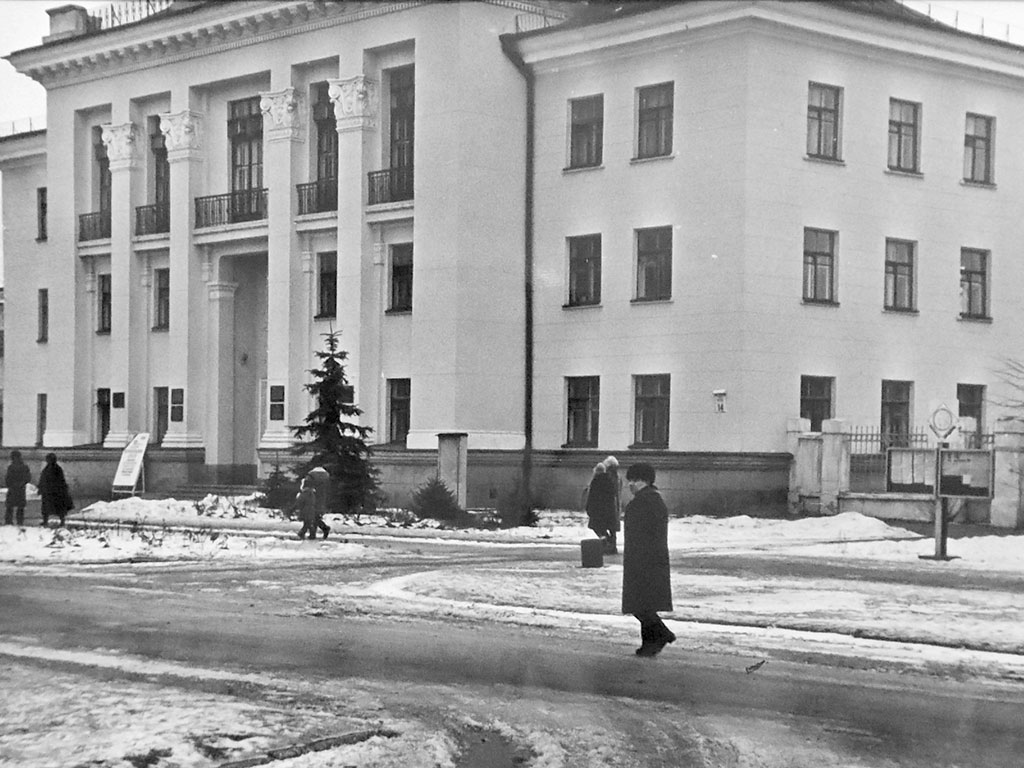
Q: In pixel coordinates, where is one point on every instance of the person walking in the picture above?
(601, 505)
(305, 505)
(646, 579)
(53, 491)
(611, 468)
(18, 476)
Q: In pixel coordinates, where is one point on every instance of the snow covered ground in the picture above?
(713, 611)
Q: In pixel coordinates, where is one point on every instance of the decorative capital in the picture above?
(281, 115)
(222, 291)
(355, 103)
(121, 146)
(182, 133)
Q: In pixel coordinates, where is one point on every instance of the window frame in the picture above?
(326, 127)
(900, 274)
(970, 400)
(104, 302)
(584, 279)
(975, 144)
(819, 405)
(43, 315)
(583, 411)
(816, 261)
(326, 284)
(41, 214)
(399, 410)
(657, 255)
(904, 131)
(978, 279)
(820, 115)
(245, 142)
(400, 283)
(657, 117)
(161, 299)
(897, 398)
(651, 410)
(586, 132)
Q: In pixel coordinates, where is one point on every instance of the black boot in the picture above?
(649, 643)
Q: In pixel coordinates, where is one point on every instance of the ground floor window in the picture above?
(816, 399)
(40, 419)
(583, 395)
(650, 426)
(971, 399)
(399, 411)
(102, 413)
(896, 413)
(161, 409)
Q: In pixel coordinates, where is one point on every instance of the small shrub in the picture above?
(513, 510)
(278, 489)
(433, 499)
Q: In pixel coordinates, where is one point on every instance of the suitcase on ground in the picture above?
(592, 551)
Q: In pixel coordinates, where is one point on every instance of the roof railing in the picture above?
(125, 12)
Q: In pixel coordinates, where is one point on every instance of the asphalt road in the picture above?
(216, 617)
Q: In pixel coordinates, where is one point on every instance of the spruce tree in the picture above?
(332, 439)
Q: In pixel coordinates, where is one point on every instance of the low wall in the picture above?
(913, 507)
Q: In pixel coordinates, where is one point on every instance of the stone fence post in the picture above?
(1007, 510)
(835, 464)
(794, 428)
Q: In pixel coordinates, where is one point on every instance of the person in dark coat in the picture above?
(601, 517)
(611, 467)
(311, 505)
(646, 580)
(53, 491)
(18, 476)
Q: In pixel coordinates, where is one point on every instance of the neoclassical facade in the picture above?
(657, 230)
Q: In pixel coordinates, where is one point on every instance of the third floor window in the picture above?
(823, 121)
(904, 136)
(102, 165)
(326, 134)
(161, 167)
(978, 149)
(245, 134)
(586, 129)
(654, 121)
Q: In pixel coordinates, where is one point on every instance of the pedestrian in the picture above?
(321, 481)
(305, 504)
(601, 505)
(18, 476)
(646, 580)
(53, 491)
(611, 467)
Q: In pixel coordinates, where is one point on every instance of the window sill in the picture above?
(651, 159)
(40, 239)
(398, 311)
(647, 447)
(899, 311)
(975, 319)
(324, 316)
(594, 305)
(978, 184)
(103, 332)
(43, 341)
(582, 168)
(818, 303)
(655, 300)
(825, 160)
(579, 446)
(160, 328)
(904, 173)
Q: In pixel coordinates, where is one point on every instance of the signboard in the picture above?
(130, 467)
(942, 422)
(910, 470)
(966, 473)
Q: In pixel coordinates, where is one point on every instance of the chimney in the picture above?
(67, 21)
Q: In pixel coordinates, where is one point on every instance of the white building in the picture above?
(655, 230)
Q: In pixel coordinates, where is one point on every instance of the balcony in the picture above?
(152, 219)
(318, 196)
(243, 205)
(93, 226)
(390, 186)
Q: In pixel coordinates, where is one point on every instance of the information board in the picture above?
(129, 467)
(966, 473)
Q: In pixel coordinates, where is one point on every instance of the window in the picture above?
(399, 398)
(650, 426)
(41, 213)
(160, 413)
(971, 398)
(40, 419)
(654, 264)
(102, 414)
(401, 278)
(899, 275)
(586, 126)
(161, 299)
(583, 398)
(161, 166)
(904, 135)
(896, 414)
(177, 404)
(327, 284)
(823, 121)
(276, 398)
(816, 399)
(103, 303)
(103, 185)
(978, 149)
(654, 121)
(326, 134)
(819, 265)
(245, 134)
(973, 283)
(402, 91)
(43, 315)
(584, 270)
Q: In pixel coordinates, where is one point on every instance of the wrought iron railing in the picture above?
(318, 196)
(152, 219)
(242, 205)
(93, 226)
(125, 12)
(390, 186)
(527, 22)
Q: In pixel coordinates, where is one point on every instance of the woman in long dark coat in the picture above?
(601, 515)
(646, 580)
(55, 498)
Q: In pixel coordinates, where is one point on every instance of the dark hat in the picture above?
(641, 471)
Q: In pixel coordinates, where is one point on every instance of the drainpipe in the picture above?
(509, 49)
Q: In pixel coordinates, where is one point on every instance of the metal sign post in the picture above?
(942, 423)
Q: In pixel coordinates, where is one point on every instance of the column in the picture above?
(356, 106)
(182, 132)
(128, 327)
(287, 350)
(1007, 510)
(220, 396)
(835, 464)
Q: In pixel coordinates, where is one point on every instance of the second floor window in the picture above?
(41, 213)
(978, 149)
(823, 121)
(401, 278)
(43, 315)
(399, 411)
(654, 264)
(103, 178)
(650, 426)
(899, 275)
(326, 134)
(161, 166)
(161, 299)
(103, 306)
(245, 134)
(584, 270)
(583, 395)
(586, 130)
(402, 100)
(327, 284)
(654, 121)
(973, 283)
(819, 265)
(904, 135)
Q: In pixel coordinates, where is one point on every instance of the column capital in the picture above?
(182, 134)
(121, 146)
(221, 291)
(281, 115)
(356, 103)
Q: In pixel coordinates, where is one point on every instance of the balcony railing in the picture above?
(390, 186)
(318, 196)
(243, 205)
(152, 219)
(93, 226)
